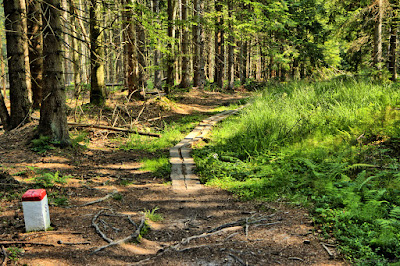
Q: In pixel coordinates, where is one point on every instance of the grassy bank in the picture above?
(332, 146)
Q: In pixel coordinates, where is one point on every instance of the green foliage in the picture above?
(332, 146)
(153, 216)
(172, 133)
(160, 167)
(117, 196)
(55, 199)
(47, 179)
(14, 253)
(42, 144)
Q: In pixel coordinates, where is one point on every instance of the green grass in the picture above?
(171, 134)
(160, 167)
(332, 146)
(153, 216)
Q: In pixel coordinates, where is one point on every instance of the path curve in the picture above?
(182, 163)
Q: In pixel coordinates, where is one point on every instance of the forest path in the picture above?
(182, 164)
(208, 226)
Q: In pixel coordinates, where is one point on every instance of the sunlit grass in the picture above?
(332, 146)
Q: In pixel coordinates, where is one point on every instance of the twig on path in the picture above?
(200, 246)
(331, 255)
(109, 240)
(247, 228)
(96, 201)
(241, 262)
(73, 243)
(115, 129)
(295, 258)
(126, 239)
(3, 250)
(9, 243)
(203, 235)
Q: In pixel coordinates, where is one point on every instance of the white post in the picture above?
(36, 210)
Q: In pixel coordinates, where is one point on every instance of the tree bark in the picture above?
(219, 46)
(141, 50)
(76, 50)
(392, 52)
(185, 81)
(243, 74)
(97, 85)
(53, 117)
(198, 40)
(128, 34)
(170, 57)
(18, 61)
(157, 53)
(35, 50)
(231, 48)
(378, 36)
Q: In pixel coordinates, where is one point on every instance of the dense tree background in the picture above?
(143, 45)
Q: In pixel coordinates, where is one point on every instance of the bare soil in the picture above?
(255, 233)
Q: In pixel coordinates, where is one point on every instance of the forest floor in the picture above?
(205, 227)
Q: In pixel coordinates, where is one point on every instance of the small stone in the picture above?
(59, 242)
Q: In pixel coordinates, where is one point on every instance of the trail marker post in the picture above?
(36, 210)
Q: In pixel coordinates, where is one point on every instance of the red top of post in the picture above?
(34, 195)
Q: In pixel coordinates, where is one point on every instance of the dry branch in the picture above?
(115, 129)
(126, 239)
(237, 259)
(331, 255)
(75, 243)
(3, 250)
(109, 240)
(10, 243)
(96, 201)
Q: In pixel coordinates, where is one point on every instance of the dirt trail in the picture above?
(204, 227)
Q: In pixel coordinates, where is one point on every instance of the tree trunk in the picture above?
(185, 81)
(392, 52)
(231, 48)
(141, 50)
(157, 54)
(243, 74)
(219, 46)
(18, 61)
(378, 36)
(170, 57)
(76, 51)
(53, 117)
(198, 40)
(35, 50)
(130, 61)
(97, 85)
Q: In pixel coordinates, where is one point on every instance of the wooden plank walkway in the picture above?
(182, 164)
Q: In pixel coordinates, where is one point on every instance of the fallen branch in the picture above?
(127, 130)
(74, 243)
(331, 255)
(200, 246)
(126, 239)
(96, 201)
(10, 243)
(109, 240)
(115, 129)
(295, 258)
(188, 239)
(3, 250)
(241, 262)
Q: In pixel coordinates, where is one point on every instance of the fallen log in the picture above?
(10, 243)
(115, 129)
(119, 129)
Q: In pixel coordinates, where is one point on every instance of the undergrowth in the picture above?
(331, 146)
(171, 134)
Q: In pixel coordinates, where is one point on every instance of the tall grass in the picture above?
(332, 146)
